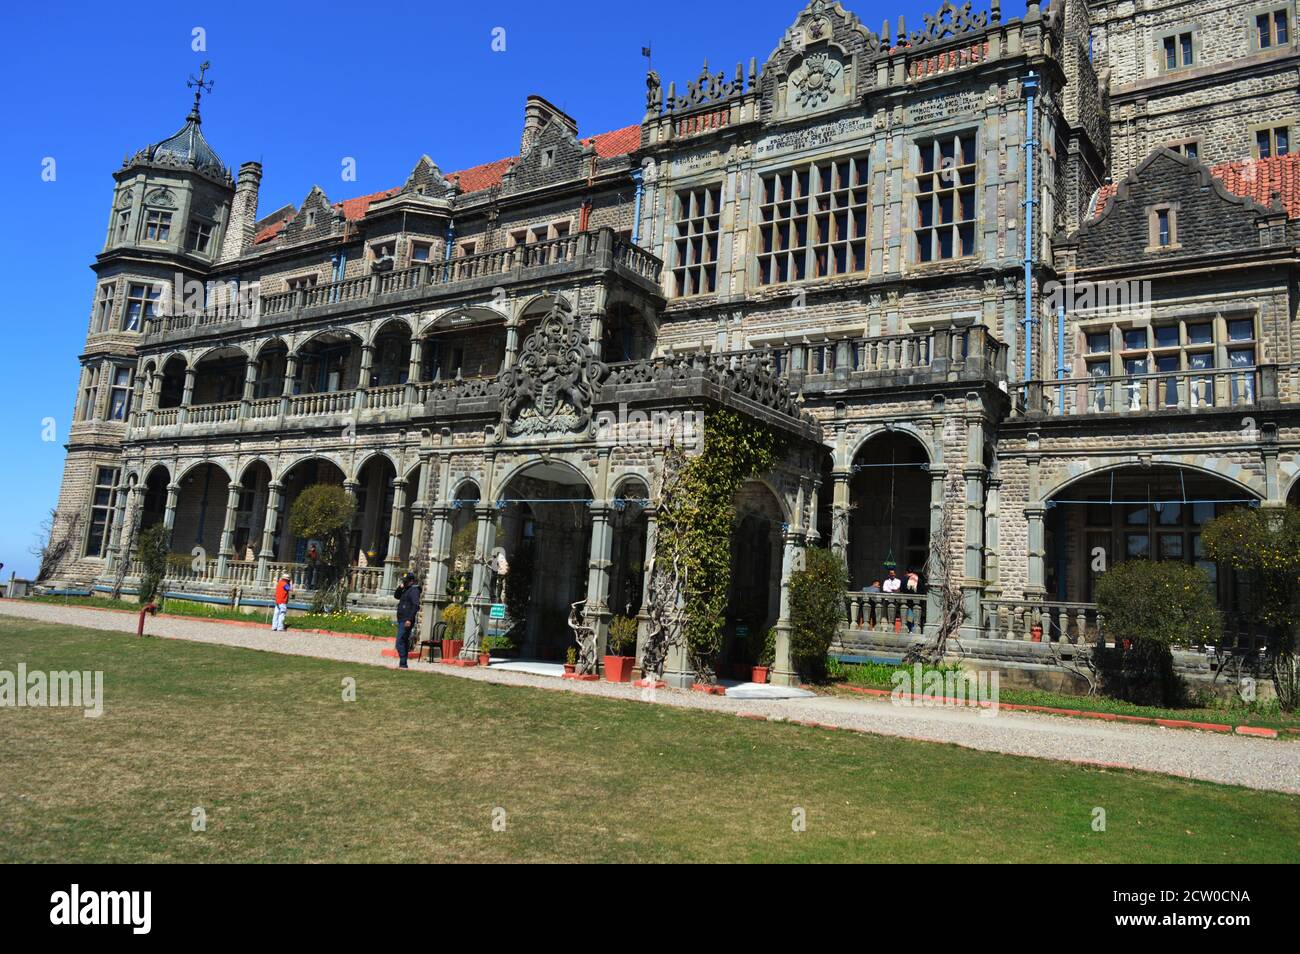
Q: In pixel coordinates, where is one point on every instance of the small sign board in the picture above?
(498, 611)
(742, 630)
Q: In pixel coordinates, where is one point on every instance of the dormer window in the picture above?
(200, 234)
(548, 158)
(311, 219)
(420, 251)
(123, 225)
(157, 226)
(1162, 226)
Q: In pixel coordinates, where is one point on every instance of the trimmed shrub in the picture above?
(1151, 607)
(816, 610)
(153, 547)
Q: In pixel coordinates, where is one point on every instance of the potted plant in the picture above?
(766, 657)
(1036, 633)
(485, 651)
(454, 639)
(622, 639)
(570, 660)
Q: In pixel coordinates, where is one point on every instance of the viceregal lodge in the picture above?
(1038, 274)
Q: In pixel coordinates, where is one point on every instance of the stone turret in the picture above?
(243, 212)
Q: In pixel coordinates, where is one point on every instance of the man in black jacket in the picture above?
(408, 608)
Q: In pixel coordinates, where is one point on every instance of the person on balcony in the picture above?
(282, 591)
(408, 608)
(313, 559)
(892, 583)
(913, 584)
(874, 587)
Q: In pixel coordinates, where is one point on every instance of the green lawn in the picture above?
(413, 769)
(1266, 713)
(345, 622)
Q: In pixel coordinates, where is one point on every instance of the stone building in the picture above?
(1034, 278)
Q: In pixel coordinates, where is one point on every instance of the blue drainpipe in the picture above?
(636, 211)
(1031, 87)
(1060, 358)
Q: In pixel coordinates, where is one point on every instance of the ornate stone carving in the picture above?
(551, 387)
(161, 198)
(948, 21)
(815, 79)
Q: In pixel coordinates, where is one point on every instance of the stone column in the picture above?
(123, 500)
(418, 508)
(151, 399)
(974, 473)
(597, 610)
(393, 561)
(434, 596)
(269, 525)
(783, 673)
(938, 488)
(169, 515)
(512, 343)
(643, 617)
(480, 603)
(182, 415)
(363, 377)
(250, 383)
(1036, 586)
(227, 549)
(840, 503)
(290, 375)
(412, 371)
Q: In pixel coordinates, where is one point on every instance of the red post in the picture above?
(152, 610)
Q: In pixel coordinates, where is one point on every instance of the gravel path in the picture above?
(1255, 763)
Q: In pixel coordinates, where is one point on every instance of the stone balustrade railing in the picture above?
(1198, 390)
(598, 249)
(321, 402)
(885, 612)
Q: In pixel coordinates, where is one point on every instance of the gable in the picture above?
(1208, 218)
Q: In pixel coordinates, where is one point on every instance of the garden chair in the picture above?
(434, 641)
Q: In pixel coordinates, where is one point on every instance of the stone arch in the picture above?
(259, 347)
(381, 325)
(876, 430)
(1226, 470)
(1292, 493)
(369, 456)
(326, 456)
(888, 523)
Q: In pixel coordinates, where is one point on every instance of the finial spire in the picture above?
(200, 86)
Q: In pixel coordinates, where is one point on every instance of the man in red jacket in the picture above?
(282, 591)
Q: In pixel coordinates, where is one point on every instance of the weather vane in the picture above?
(199, 85)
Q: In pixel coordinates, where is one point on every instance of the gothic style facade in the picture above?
(1032, 279)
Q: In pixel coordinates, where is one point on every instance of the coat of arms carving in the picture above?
(551, 387)
(814, 80)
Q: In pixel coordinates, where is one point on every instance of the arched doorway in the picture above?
(889, 510)
(200, 511)
(754, 596)
(545, 533)
(1135, 513)
(287, 547)
(250, 516)
(627, 563)
(153, 507)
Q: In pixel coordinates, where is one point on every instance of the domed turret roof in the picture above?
(187, 149)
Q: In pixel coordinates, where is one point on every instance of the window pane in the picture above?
(1167, 336)
(1241, 329)
(1098, 342)
(1200, 333)
(1282, 141)
(1135, 339)
(1262, 143)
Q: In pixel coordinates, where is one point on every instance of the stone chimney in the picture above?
(537, 113)
(243, 213)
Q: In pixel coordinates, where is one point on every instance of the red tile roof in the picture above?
(618, 142)
(1256, 179)
(354, 209)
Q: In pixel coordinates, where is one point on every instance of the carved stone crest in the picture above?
(815, 79)
(551, 387)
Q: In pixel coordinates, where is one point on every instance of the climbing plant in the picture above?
(695, 527)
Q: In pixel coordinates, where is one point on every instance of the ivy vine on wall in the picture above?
(696, 529)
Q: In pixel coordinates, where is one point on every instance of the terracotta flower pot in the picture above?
(570, 667)
(619, 668)
(451, 648)
(759, 674)
(484, 659)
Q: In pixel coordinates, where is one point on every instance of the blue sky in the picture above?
(298, 87)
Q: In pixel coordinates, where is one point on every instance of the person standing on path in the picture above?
(282, 591)
(408, 608)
